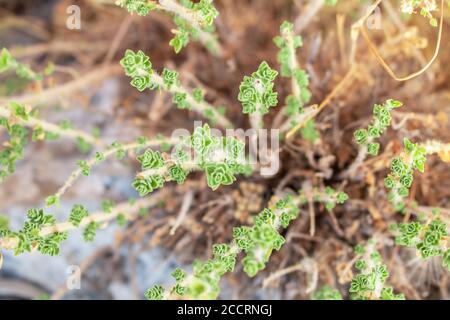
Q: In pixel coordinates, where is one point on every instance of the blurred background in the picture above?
(88, 88)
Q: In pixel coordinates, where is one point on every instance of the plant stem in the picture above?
(370, 249)
(348, 76)
(163, 171)
(256, 120)
(52, 128)
(433, 146)
(234, 249)
(293, 65)
(11, 243)
(198, 107)
(190, 16)
(308, 113)
(362, 154)
(134, 145)
(177, 9)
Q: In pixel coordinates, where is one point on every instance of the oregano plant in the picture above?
(256, 94)
(138, 66)
(428, 236)
(401, 176)
(219, 157)
(345, 179)
(256, 243)
(21, 122)
(294, 109)
(41, 232)
(194, 20)
(370, 282)
(382, 118)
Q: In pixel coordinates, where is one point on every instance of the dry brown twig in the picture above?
(359, 27)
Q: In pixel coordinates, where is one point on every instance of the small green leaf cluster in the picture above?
(29, 236)
(333, 198)
(141, 7)
(259, 241)
(82, 145)
(39, 133)
(294, 108)
(14, 148)
(181, 35)
(309, 131)
(185, 31)
(221, 158)
(326, 293)
(85, 166)
(90, 231)
(369, 283)
(77, 214)
(381, 121)
(121, 220)
(429, 238)
(51, 201)
(256, 242)
(16, 118)
(288, 43)
(9, 63)
(205, 282)
(107, 206)
(329, 197)
(32, 236)
(154, 293)
(193, 19)
(256, 92)
(119, 150)
(424, 7)
(42, 233)
(153, 160)
(138, 66)
(400, 178)
(206, 13)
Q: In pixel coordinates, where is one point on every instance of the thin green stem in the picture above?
(112, 151)
(33, 122)
(10, 243)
